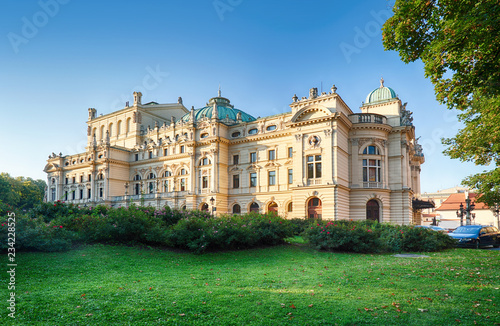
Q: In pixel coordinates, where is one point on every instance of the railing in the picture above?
(367, 118)
(372, 185)
(312, 182)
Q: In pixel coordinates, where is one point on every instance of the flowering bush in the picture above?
(200, 231)
(369, 236)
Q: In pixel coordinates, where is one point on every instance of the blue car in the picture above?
(476, 236)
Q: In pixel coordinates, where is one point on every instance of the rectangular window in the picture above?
(253, 179)
(67, 180)
(150, 154)
(90, 177)
(89, 193)
(165, 152)
(204, 182)
(290, 151)
(183, 184)
(272, 178)
(65, 195)
(372, 170)
(290, 176)
(182, 149)
(74, 180)
(81, 193)
(236, 159)
(314, 167)
(165, 186)
(81, 178)
(101, 192)
(236, 181)
(272, 154)
(73, 195)
(253, 157)
(53, 194)
(136, 157)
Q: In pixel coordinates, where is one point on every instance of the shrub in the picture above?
(299, 225)
(369, 236)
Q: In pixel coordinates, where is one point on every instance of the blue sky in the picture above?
(60, 57)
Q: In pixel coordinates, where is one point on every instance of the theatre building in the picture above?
(320, 159)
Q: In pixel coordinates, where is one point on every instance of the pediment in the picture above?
(311, 113)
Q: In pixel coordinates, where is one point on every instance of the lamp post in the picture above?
(497, 211)
(460, 213)
(469, 208)
(212, 202)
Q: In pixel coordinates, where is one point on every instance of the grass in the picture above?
(284, 285)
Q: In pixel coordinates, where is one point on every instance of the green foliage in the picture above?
(373, 237)
(459, 44)
(21, 193)
(34, 234)
(299, 225)
(201, 232)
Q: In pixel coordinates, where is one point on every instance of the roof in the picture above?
(381, 94)
(452, 203)
(225, 112)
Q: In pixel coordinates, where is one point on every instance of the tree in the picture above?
(21, 192)
(459, 44)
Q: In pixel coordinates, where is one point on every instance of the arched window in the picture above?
(110, 129)
(236, 209)
(253, 131)
(204, 207)
(373, 210)
(204, 135)
(151, 176)
(119, 128)
(137, 177)
(100, 176)
(254, 207)
(289, 208)
(271, 128)
(205, 161)
(314, 208)
(167, 174)
(183, 171)
(371, 150)
(101, 136)
(272, 208)
(127, 127)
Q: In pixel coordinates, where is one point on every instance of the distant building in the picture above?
(318, 160)
(447, 211)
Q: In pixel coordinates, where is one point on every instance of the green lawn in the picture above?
(284, 285)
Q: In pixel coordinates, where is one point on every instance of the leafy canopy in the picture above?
(459, 44)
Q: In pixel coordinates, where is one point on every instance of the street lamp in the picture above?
(460, 213)
(497, 214)
(212, 201)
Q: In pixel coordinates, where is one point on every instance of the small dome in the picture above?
(381, 94)
(225, 112)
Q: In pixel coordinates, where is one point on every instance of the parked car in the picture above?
(476, 236)
(433, 228)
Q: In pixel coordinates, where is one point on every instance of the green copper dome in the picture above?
(381, 94)
(226, 112)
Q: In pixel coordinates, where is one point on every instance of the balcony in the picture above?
(368, 118)
(313, 182)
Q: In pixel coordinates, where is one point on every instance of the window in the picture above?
(167, 174)
(272, 154)
(90, 177)
(289, 208)
(137, 189)
(74, 180)
(165, 186)
(53, 194)
(204, 135)
(204, 182)
(150, 154)
(290, 176)
(235, 134)
(371, 150)
(137, 177)
(253, 131)
(290, 151)
(66, 181)
(236, 181)
(253, 157)
(151, 176)
(205, 161)
(253, 179)
(271, 128)
(65, 195)
(165, 152)
(73, 195)
(137, 157)
(183, 184)
(81, 193)
(151, 187)
(183, 172)
(272, 178)
(236, 209)
(101, 192)
(89, 193)
(100, 176)
(254, 207)
(371, 171)
(236, 159)
(313, 166)
(182, 149)
(81, 178)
